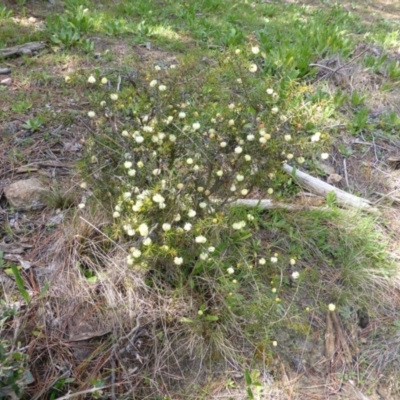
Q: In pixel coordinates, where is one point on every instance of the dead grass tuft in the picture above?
(123, 331)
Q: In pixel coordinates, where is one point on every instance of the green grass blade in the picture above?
(20, 283)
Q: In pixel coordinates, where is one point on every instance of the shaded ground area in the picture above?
(371, 11)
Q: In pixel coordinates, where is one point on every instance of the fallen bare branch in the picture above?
(322, 188)
(266, 204)
(26, 48)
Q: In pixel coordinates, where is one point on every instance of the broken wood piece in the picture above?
(329, 338)
(267, 204)
(25, 169)
(341, 340)
(322, 188)
(26, 48)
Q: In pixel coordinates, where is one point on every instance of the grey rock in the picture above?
(26, 195)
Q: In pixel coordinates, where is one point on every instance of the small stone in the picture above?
(334, 178)
(26, 194)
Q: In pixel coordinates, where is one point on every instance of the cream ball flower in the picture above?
(129, 260)
(253, 68)
(247, 157)
(274, 260)
(230, 271)
(157, 198)
(255, 49)
(148, 129)
(116, 214)
(231, 122)
(274, 343)
(250, 137)
(238, 150)
(316, 137)
(104, 80)
(128, 164)
(203, 256)
(189, 161)
(187, 227)
(239, 178)
(132, 172)
(270, 191)
(295, 275)
(162, 88)
(114, 96)
(301, 160)
(287, 138)
(178, 260)
(67, 79)
(238, 225)
(153, 83)
(172, 138)
(196, 126)
(223, 144)
(292, 261)
(331, 307)
(270, 91)
(136, 253)
(200, 239)
(191, 213)
(182, 115)
(143, 229)
(274, 110)
(244, 192)
(91, 114)
(91, 79)
(139, 139)
(220, 173)
(262, 140)
(147, 241)
(324, 156)
(166, 227)
(262, 261)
